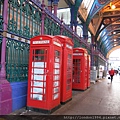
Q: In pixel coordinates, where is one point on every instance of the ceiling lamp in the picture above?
(114, 33)
(113, 6)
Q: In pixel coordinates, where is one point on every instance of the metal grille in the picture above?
(16, 61)
(1, 16)
(67, 33)
(23, 18)
(51, 28)
(76, 43)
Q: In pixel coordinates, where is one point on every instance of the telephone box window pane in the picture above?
(57, 59)
(57, 53)
(56, 96)
(56, 77)
(57, 56)
(38, 71)
(56, 71)
(39, 55)
(40, 58)
(56, 65)
(38, 84)
(56, 83)
(56, 90)
(38, 90)
(39, 64)
(38, 77)
(38, 51)
(76, 70)
(37, 97)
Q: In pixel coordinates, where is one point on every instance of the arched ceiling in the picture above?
(102, 19)
(108, 34)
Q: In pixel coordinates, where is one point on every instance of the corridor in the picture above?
(102, 98)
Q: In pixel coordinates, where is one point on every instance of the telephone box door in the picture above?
(76, 73)
(38, 75)
(79, 69)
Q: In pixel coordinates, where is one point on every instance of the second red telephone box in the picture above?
(66, 73)
(79, 69)
(44, 73)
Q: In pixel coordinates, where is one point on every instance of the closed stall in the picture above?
(66, 73)
(79, 69)
(44, 73)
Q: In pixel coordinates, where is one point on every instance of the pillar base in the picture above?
(5, 97)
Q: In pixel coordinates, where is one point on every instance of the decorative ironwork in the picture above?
(76, 43)
(12, 26)
(23, 18)
(51, 28)
(102, 1)
(107, 21)
(1, 22)
(17, 60)
(1, 17)
(67, 33)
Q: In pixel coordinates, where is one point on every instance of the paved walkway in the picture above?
(102, 98)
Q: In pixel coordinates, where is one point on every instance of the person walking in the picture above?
(111, 73)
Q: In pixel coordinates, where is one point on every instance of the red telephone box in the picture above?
(66, 73)
(79, 69)
(88, 74)
(44, 73)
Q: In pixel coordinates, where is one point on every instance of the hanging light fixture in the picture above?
(112, 6)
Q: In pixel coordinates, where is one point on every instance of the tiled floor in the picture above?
(102, 98)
